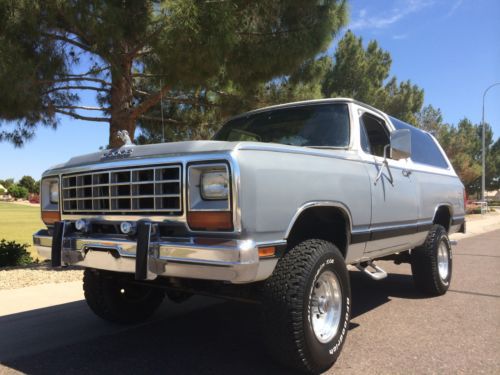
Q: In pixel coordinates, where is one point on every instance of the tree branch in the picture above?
(142, 75)
(224, 93)
(76, 88)
(71, 26)
(76, 79)
(148, 103)
(144, 52)
(140, 49)
(86, 118)
(87, 108)
(68, 40)
(159, 119)
(280, 32)
(197, 101)
(90, 72)
(143, 93)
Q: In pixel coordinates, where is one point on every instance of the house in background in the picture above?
(493, 195)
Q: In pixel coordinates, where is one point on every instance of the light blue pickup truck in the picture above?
(272, 210)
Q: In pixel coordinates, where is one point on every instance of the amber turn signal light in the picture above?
(210, 220)
(51, 217)
(267, 251)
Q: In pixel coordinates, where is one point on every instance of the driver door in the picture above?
(394, 195)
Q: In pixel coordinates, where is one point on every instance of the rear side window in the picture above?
(424, 149)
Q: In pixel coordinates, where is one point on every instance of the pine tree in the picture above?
(171, 46)
(363, 74)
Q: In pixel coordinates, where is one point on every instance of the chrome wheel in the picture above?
(326, 306)
(443, 261)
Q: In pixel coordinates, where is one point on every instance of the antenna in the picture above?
(161, 108)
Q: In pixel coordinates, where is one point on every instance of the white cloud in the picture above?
(402, 8)
(454, 7)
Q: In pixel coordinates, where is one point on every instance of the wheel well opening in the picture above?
(325, 223)
(443, 217)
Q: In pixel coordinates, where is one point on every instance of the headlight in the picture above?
(54, 192)
(209, 187)
(209, 197)
(214, 185)
(49, 200)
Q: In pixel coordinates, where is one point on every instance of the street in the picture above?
(394, 329)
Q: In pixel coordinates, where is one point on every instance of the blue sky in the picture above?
(450, 48)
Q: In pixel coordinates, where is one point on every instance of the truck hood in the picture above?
(148, 151)
(184, 148)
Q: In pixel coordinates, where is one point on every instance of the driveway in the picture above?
(394, 329)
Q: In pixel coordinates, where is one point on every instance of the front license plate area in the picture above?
(103, 249)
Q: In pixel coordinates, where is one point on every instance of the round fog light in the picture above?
(81, 225)
(127, 228)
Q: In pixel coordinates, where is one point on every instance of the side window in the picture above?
(376, 134)
(365, 144)
(423, 148)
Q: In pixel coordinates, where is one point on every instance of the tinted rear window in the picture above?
(423, 147)
(324, 125)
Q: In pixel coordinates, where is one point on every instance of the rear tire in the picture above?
(117, 300)
(307, 307)
(432, 263)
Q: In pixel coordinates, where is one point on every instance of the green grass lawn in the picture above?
(19, 222)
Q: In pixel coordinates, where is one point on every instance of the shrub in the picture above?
(473, 210)
(476, 209)
(14, 254)
(18, 192)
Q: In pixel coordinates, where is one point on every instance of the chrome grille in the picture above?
(153, 189)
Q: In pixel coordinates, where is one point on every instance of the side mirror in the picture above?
(400, 144)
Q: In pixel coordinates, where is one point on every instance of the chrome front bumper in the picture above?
(236, 261)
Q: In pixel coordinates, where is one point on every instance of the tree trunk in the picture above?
(121, 103)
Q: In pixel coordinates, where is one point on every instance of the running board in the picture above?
(371, 269)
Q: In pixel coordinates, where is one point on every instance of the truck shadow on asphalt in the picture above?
(214, 338)
(368, 294)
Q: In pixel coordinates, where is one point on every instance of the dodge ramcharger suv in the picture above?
(272, 210)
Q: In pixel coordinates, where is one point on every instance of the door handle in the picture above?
(406, 172)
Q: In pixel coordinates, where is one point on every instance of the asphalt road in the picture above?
(394, 329)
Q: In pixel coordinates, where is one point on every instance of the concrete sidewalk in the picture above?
(14, 301)
(479, 224)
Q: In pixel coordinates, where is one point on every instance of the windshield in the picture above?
(320, 125)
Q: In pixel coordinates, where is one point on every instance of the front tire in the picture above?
(432, 263)
(116, 300)
(307, 306)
